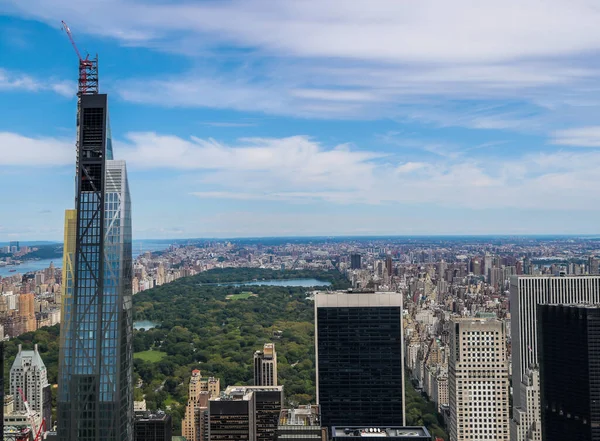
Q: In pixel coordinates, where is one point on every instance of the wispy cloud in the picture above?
(300, 169)
(20, 150)
(359, 59)
(392, 32)
(578, 137)
(17, 81)
(227, 124)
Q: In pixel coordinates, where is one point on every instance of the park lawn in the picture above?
(241, 296)
(151, 356)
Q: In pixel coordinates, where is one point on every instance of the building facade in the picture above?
(95, 399)
(569, 356)
(355, 261)
(153, 426)
(526, 420)
(359, 358)
(28, 373)
(245, 413)
(301, 424)
(201, 389)
(392, 433)
(478, 380)
(526, 292)
(265, 366)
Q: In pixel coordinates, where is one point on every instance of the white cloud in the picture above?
(411, 167)
(578, 137)
(19, 150)
(298, 169)
(351, 59)
(424, 31)
(16, 81)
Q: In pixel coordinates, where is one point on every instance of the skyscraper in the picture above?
(526, 292)
(28, 373)
(27, 312)
(153, 426)
(359, 358)
(478, 380)
(593, 265)
(245, 413)
(95, 399)
(265, 366)
(569, 355)
(200, 390)
(355, 262)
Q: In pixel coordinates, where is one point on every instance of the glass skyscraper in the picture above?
(569, 356)
(359, 359)
(95, 398)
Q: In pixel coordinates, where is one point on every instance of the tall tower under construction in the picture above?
(95, 398)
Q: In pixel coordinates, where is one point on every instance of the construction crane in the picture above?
(31, 417)
(88, 68)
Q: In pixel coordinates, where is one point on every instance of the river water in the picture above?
(138, 247)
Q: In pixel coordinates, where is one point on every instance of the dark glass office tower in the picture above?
(95, 371)
(355, 262)
(359, 356)
(569, 355)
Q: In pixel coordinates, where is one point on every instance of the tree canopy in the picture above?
(198, 327)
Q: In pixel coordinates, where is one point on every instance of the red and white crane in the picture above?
(88, 69)
(31, 417)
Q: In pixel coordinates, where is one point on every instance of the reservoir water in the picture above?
(144, 324)
(304, 283)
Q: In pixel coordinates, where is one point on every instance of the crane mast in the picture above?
(87, 85)
(88, 68)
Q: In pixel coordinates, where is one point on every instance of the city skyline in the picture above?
(416, 128)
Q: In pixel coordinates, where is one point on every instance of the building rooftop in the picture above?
(302, 416)
(244, 392)
(380, 432)
(151, 416)
(29, 357)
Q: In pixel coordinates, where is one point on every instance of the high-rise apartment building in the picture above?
(526, 292)
(355, 261)
(359, 358)
(245, 413)
(27, 312)
(28, 373)
(478, 380)
(389, 266)
(95, 397)
(265, 366)
(569, 356)
(526, 420)
(201, 389)
(593, 265)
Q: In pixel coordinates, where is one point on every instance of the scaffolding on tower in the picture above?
(88, 69)
(87, 84)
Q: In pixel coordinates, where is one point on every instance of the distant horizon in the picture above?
(329, 236)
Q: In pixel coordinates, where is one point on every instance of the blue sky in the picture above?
(264, 118)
